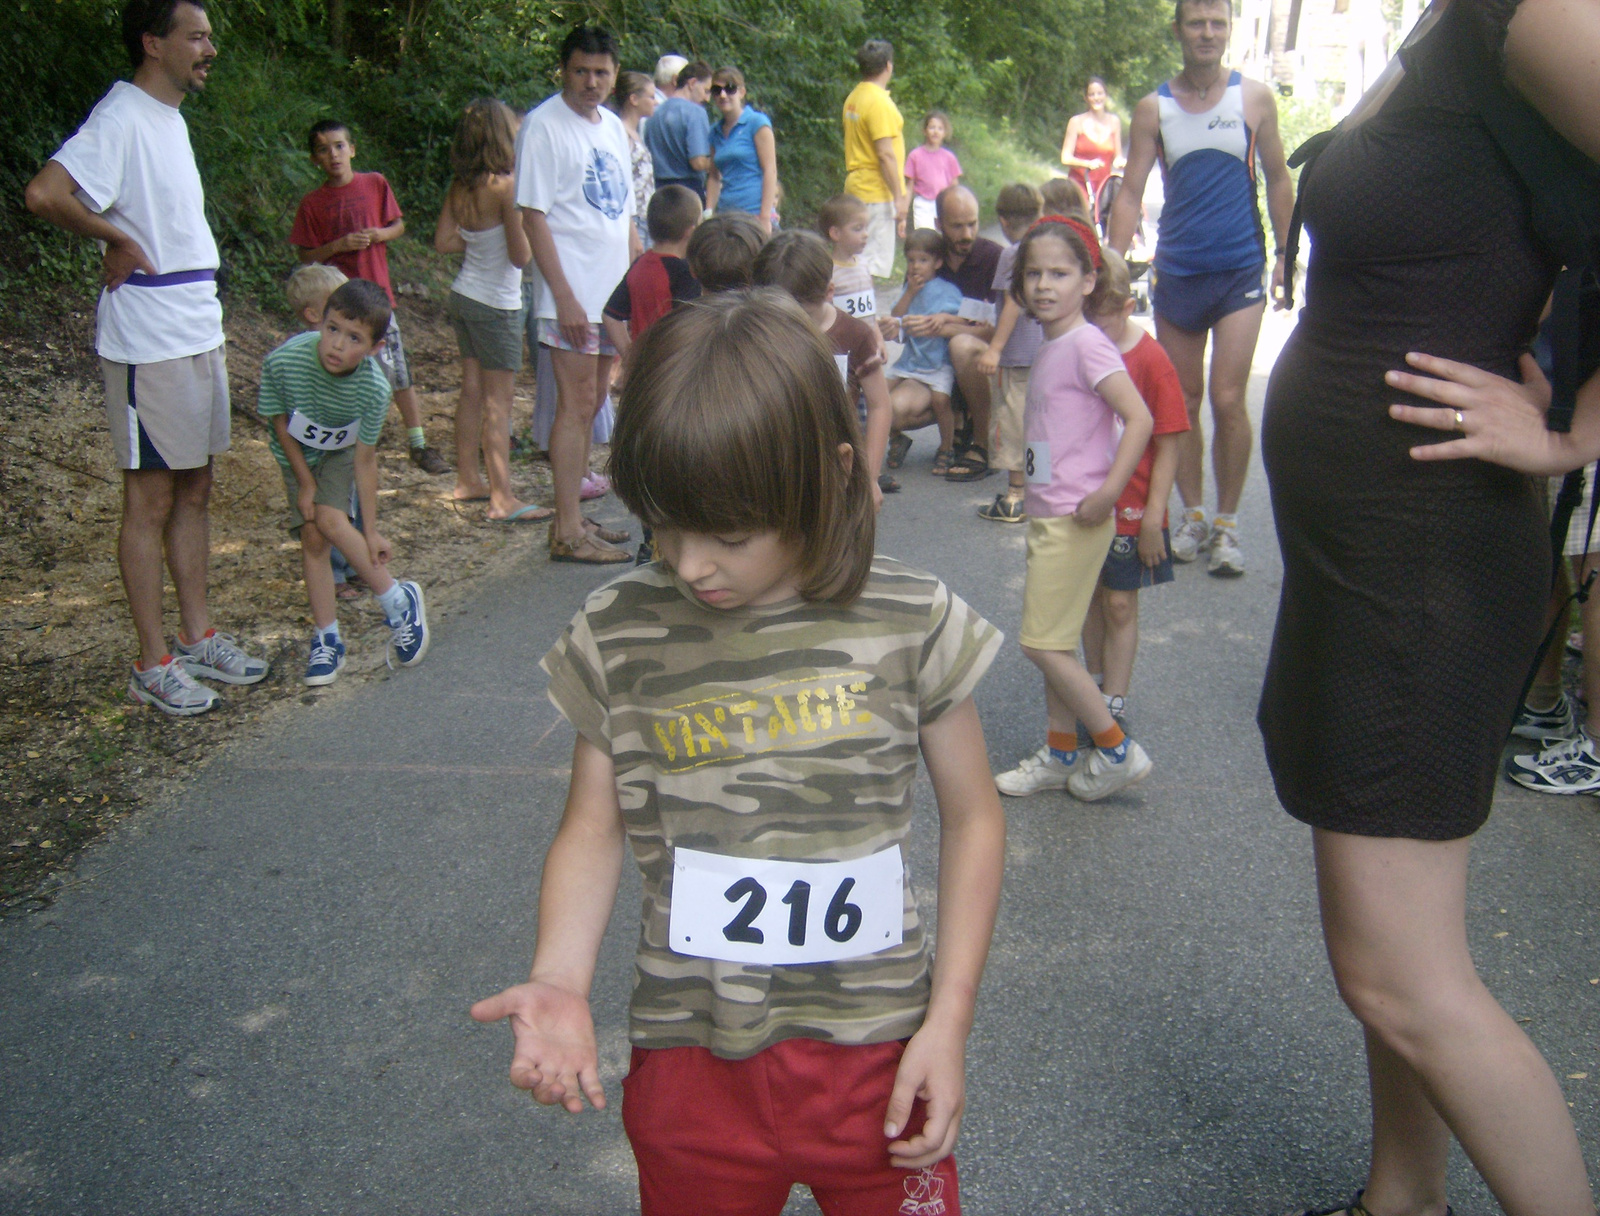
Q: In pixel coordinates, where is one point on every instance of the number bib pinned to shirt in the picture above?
(747, 910)
(1036, 463)
(323, 438)
(862, 303)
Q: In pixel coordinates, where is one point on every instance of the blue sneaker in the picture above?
(327, 656)
(409, 636)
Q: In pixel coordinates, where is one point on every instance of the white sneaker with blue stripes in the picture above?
(1570, 767)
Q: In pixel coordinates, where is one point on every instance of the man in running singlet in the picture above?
(1209, 128)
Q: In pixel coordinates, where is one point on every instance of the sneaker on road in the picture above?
(1556, 724)
(1004, 509)
(1103, 776)
(409, 636)
(327, 656)
(217, 656)
(1227, 559)
(1040, 771)
(171, 689)
(1190, 536)
(427, 459)
(1570, 767)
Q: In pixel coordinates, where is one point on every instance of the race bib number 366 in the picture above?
(324, 438)
(741, 910)
(862, 303)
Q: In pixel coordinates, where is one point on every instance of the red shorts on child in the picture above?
(718, 1137)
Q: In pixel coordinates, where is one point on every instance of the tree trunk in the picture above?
(339, 26)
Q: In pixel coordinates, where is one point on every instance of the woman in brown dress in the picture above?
(1413, 588)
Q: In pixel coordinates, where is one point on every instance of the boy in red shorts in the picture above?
(1140, 553)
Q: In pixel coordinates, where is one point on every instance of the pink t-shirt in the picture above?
(1070, 431)
(930, 170)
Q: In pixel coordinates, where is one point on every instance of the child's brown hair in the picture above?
(799, 262)
(731, 421)
(837, 212)
(1115, 285)
(672, 213)
(1079, 237)
(927, 240)
(722, 251)
(1018, 202)
(1063, 196)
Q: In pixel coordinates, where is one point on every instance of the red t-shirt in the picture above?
(329, 212)
(653, 284)
(1156, 379)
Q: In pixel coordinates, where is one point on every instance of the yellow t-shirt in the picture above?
(870, 115)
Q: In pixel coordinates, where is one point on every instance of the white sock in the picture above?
(393, 602)
(328, 631)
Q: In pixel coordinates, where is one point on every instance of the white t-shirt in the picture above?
(577, 173)
(134, 167)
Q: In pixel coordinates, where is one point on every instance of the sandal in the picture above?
(1354, 1208)
(887, 484)
(942, 460)
(610, 535)
(972, 466)
(899, 445)
(587, 552)
(347, 591)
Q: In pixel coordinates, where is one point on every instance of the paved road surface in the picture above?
(257, 1001)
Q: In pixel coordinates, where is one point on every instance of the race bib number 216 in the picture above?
(744, 910)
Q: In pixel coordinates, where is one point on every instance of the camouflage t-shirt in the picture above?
(786, 731)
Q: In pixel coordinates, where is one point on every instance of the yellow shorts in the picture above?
(1010, 397)
(1064, 562)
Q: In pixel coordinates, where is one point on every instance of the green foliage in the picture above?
(399, 72)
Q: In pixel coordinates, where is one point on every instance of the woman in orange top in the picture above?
(1093, 144)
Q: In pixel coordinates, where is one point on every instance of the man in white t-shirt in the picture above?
(127, 179)
(576, 194)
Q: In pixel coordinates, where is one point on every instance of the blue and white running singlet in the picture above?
(1210, 221)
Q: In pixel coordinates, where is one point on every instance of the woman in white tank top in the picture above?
(480, 220)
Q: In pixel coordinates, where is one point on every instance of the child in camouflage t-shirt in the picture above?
(749, 711)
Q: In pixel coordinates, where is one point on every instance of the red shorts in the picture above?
(720, 1137)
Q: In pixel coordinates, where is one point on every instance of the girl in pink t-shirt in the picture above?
(930, 169)
(1085, 427)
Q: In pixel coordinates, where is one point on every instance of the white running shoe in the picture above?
(1103, 776)
(1558, 724)
(218, 656)
(1040, 771)
(1570, 767)
(1189, 537)
(171, 689)
(1227, 559)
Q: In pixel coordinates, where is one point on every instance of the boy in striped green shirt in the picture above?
(326, 401)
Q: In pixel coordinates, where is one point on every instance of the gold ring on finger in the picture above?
(1461, 422)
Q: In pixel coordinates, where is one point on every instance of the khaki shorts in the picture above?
(168, 415)
(1010, 398)
(1064, 563)
(335, 477)
(878, 256)
(492, 336)
(391, 357)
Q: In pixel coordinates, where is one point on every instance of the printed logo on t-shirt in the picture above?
(779, 716)
(604, 184)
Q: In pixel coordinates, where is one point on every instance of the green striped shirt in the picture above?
(293, 378)
(787, 731)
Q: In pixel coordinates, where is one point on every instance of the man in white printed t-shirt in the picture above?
(576, 194)
(127, 179)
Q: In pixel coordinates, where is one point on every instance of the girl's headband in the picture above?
(1090, 239)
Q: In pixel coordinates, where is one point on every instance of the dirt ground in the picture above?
(75, 753)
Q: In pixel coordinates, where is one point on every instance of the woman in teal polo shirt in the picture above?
(744, 154)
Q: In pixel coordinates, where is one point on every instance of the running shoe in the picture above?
(1227, 559)
(427, 459)
(327, 656)
(1040, 771)
(171, 689)
(409, 636)
(1103, 776)
(1570, 767)
(887, 484)
(1190, 536)
(217, 656)
(1558, 724)
(1004, 510)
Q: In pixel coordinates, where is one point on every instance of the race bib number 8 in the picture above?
(860, 304)
(1036, 463)
(323, 438)
(743, 910)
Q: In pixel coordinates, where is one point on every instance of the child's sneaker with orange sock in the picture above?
(1108, 770)
(1040, 771)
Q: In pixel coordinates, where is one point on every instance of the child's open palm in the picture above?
(554, 1053)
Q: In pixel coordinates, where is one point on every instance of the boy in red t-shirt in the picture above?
(348, 222)
(660, 276)
(1140, 554)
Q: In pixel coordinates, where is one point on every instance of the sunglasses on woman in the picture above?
(731, 90)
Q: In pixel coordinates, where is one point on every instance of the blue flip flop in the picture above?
(526, 512)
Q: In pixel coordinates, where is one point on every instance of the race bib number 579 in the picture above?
(323, 438)
(742, 910)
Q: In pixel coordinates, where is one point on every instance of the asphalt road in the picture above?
(254, 999)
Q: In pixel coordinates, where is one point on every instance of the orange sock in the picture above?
(1061, 740)
(1110, 737)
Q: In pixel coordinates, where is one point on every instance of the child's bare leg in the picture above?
(1075, 696)
(911, 401)
(334, 525)
(1094, 634)
(945, 417)
(314, 560)
(469, 429)
(1121, 639)
(405, 400)
(496, 441)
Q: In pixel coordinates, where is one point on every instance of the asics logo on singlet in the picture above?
(1226, 124)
